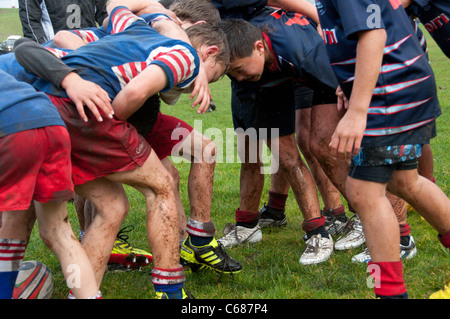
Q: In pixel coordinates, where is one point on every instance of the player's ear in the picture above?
(259, 46)
(210, 51)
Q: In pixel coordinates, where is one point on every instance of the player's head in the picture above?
(212, 47)
(195, 11)
(247, 49)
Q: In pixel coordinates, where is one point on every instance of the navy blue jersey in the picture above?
(435, 16)
(420, 36)
(405, 94)
(298, 50)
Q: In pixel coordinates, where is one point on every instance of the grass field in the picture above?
(271, 268)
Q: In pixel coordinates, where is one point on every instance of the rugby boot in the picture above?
(182, 294)
(212, 256)
(124, 256)
(271, 217)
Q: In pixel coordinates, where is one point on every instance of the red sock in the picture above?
(445, 239)
(309, 225)
(405, 229)
(336, 211)
(388, 278)
(277, 201)
(245, 217)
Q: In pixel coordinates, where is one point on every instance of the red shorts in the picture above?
(166, 134)
(35, 165)
(100, 148)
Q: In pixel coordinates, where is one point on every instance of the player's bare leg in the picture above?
(251, 183)
(180, 208)
(378, 219)
(324, 119)
(330, 194)
(201, 152)
(157, 186)
(425, 196)
(57, 234)
(200, 249)
(319, 242)
(111, 205)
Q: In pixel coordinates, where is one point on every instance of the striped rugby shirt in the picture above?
(405, 94)
(435, 16)
(129, 46)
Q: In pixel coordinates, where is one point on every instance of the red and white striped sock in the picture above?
(12, 252)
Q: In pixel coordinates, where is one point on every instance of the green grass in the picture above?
(271, 268)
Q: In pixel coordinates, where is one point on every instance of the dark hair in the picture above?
(195, 10)
(241, 36)
(201, 34)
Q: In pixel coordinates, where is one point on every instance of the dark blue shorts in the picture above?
(377, 164)
(264, 109)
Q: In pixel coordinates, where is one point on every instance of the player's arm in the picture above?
(67, 40)
(133, 5)
(148, 83)
(350, 129)
(38, 60)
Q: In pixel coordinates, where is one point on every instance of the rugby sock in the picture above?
(99, 295)
(246, 219)
(277, 201)
(389, 282)
(201, 233)
(169, 281)
(315, 226)
(404, 234)
(445, 239)
(11, 254)
(336, 211)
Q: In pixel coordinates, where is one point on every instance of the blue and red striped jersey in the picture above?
(435, 16)
(129, 46)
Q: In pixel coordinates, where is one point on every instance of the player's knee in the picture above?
(319, 148)
(209, 151)
(164, 184)
(175, 174)
(289, 160)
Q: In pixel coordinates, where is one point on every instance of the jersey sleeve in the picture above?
(360, 15)
(90, 34)
(154, 17)
(120, 19)
(179, 62)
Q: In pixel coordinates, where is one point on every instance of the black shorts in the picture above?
(380, 173)
(306, 97)
(303, 97)
(269, 110)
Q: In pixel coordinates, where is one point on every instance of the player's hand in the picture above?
(342, 101)
(202, 91)
(85, 93)
(346, 139)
